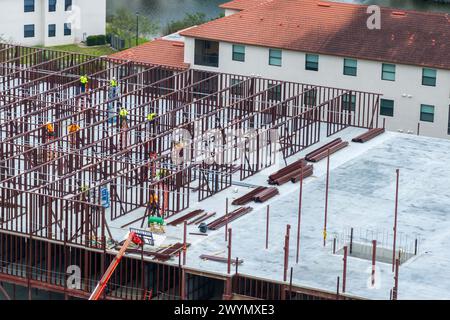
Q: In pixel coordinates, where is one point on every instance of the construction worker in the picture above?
(83, 83)
(113, 84)
(123, 114)
(153, 203)
(73, 129)
(50, 130)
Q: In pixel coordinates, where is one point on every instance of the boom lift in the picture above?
(132, 237)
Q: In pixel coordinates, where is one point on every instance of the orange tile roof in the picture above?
(160, 52)
(242, 4)
(339, 29)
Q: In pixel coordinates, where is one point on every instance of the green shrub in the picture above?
(96, 40)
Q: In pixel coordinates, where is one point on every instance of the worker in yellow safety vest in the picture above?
(123, 114)
(73, 129)
(114, 83)
(83, 83)
(153, 203)
(50, 130)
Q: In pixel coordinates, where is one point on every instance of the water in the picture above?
(164, 11)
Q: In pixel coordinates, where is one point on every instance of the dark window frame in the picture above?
(429, 80)
(67, 29)
(345, 102)
(384, 72)
(275, 92)
(387, 111)
(312, 65)
(29, 33)
(27, 7)
(425, 116)
(52, 32)
(52, 5)
(273, 59)
(202, 57)
(238, 56)
(68, 5)
(350, 70)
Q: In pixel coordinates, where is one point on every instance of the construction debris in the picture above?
(220, 222)
(369, 135)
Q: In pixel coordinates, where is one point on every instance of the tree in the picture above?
(189, 20)
(123, 24)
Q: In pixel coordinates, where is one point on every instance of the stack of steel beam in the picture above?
(248, 197)
(372, 133)
(323, 151)
(220, 222)
(307, 172)
(266, 194)
(220, 259)
(286, 170)
(186, 217)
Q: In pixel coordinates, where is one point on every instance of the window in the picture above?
(236, 87)
(426, 113)
(28, 6)
(349, 103)
(312, 62)
(51, 5)
(310, 98)
(387, 108)
(51, 30)
(275, 57)
(238, 52)
(350, 67)
(67, 29)
(274, 91)
(429, 77)
(388, 72)
(29, 31)
(206, 53)
(68, 5)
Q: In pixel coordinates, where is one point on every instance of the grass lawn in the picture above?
(96, 51)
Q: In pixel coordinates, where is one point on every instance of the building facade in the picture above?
(408, 66)
(51, 22)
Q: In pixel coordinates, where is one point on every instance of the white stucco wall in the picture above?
(408, 81)
(88, 17)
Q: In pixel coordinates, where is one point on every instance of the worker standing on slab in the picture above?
(73, 130)
(112, 96)
(83, 83)
(51, 135)
(154, 204)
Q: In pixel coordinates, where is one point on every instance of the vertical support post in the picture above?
(290, 284)
(326, 200)
(337, 288)
(374, 259)
(184, 242)
(299, 216)
(334, 245)
(226, 219)
(267, 227)
(344, 271)
(286, 252)
(415, 247)
(395, 220)
(351, 240)
(395, 290)
(229, 251)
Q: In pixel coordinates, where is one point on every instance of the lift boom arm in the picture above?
(132, 237)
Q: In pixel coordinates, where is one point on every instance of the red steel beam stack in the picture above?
(248, 197)
(185, 217)
(286, 170)
(322, 152)
(267, 194)
(220, 222)
(307, 172)
(372, 133)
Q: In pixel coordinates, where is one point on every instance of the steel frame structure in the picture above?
(50, 187)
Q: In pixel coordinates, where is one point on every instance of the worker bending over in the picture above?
(73, 129)
(123, 115)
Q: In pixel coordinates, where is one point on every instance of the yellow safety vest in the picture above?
(83, 79)
(114, 83)
(151, 116)
(153, 198)
(123, 113)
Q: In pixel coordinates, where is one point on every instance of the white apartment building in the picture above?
(51, 22)
(327, 43)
